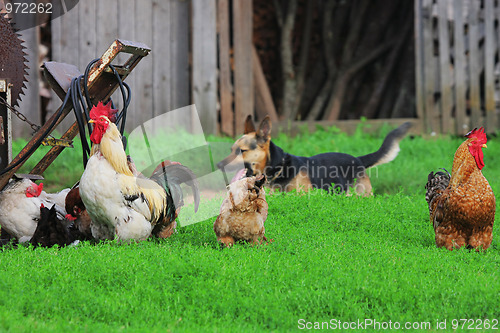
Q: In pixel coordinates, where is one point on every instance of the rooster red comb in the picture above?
(478, 134)
(103, 110)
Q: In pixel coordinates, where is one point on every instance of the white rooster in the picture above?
(120, 204)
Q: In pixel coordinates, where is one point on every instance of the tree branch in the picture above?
(335, 102)
(374, 101)
(304, 57)
(327, 34)
(279, 12)
(288, 70)
(357, 16)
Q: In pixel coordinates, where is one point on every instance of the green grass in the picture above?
(333, 257)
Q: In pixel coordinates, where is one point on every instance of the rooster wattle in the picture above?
(120, 204)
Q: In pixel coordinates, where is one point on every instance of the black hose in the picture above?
(81, 106)
(120, 119)
(75, 87)
(126, 100)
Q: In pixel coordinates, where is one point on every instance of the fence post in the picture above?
(205, 63)
(445, 66)
(431, 118)
(461, 125)
(243, 78)
(225, 85)
(489, 66)
(419, 62)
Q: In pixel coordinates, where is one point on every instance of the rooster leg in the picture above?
(4, 235)
(259, 240)
(481, 238)
(256, 240)
(228, 241)
(167, 230)
(450, 237)
(267, 240)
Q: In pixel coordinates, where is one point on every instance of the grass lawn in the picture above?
(334, 259)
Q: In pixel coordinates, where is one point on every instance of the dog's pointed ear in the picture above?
(264, 132)
(249, 126)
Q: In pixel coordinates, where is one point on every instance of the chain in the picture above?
(21, 116)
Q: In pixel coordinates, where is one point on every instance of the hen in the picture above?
(120, 204)
(51, 230)
(243, 212)
(78, 214)
(20, 203)
(462, 205)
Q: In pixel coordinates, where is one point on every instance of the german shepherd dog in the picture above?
(287, 172)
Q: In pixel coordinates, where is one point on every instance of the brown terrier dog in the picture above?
(243, 212)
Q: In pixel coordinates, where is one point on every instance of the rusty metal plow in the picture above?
(101, 80)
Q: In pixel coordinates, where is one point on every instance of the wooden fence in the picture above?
(161, 82)
(456, 65)
(202, 54)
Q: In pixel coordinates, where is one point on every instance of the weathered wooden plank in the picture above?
(106, 25)
(143, 92)
(162, 99)
(65, 48)
(431, 116)
(56, 32)
(70, 50)
(445, 66)
(164, 62)
(225, 86)
(264, 104)
(106, 29)
(87, 42)
(30, 100)
(242, 43)
(87, 33)
(419, 60)
(126, 22)
(126, 30)
(474, 65)
(205, 63)
(489, 65)
(460, 84)
(179, 66)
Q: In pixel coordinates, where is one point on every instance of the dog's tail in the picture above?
(389, 149)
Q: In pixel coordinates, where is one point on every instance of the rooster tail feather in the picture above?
(170, 177)
(436, 184)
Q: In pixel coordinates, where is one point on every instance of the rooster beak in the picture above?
(485, 146)
(91, 121)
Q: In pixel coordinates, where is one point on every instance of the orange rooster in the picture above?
(462, 206)
(120, 204)
(243, 212)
